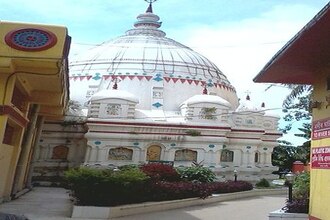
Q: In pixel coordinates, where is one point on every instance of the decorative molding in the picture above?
(157, 78)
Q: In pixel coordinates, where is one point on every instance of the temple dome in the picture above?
(144, 53)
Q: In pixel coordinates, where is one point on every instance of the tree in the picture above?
(297, 105)
(284, 155)
(297, 108)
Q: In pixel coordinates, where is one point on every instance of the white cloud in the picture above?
(241, 49)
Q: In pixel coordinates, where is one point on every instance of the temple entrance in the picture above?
(154, 152)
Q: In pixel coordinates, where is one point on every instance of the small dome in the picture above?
(114, 94)
(248, 106)
(207, 99)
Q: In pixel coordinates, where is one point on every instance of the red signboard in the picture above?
(321, 129)
(321, 157)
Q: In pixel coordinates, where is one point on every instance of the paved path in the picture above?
(44, 203)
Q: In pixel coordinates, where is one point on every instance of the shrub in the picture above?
(300, 195)
(263, 183)
(128, 167)
(197, 173)
(300, 205)
(231, 186)
(179, 190)
(99, 187)
(85, 184)
(301, 186)
(105, 187)
(160, 172)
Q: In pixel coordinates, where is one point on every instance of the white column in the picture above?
(237, 157)
(268, 159)
(251, 158)
(166, 155)
(93, 154)
(171, 154)
(263, 158)
(101, 154)
(201, 155)
(136, 155)
(213, 156)
(143, 155)
(244, 158)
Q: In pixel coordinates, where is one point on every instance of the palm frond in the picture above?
(296, 91)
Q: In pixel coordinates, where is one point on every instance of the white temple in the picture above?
(150, 98)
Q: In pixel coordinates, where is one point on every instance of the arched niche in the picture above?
(154, 152)
(185, 155)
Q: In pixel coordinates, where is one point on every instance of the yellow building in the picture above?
(305, 60)
(33, 86)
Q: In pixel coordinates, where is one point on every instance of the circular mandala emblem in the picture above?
(30, 39)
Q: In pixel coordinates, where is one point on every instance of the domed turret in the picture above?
(248, 106)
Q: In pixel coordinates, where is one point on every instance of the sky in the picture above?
(239, 36)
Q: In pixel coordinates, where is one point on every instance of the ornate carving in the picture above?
(113, 109)
(120, 153)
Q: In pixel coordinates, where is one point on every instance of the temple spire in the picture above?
(149, 9)
(147, 23)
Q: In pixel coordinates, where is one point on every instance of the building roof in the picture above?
(114, 94)
(248, 106)
(303, 55)
(213, 99)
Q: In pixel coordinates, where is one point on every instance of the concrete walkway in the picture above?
(44, 203)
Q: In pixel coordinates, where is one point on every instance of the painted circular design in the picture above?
(30, 39)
